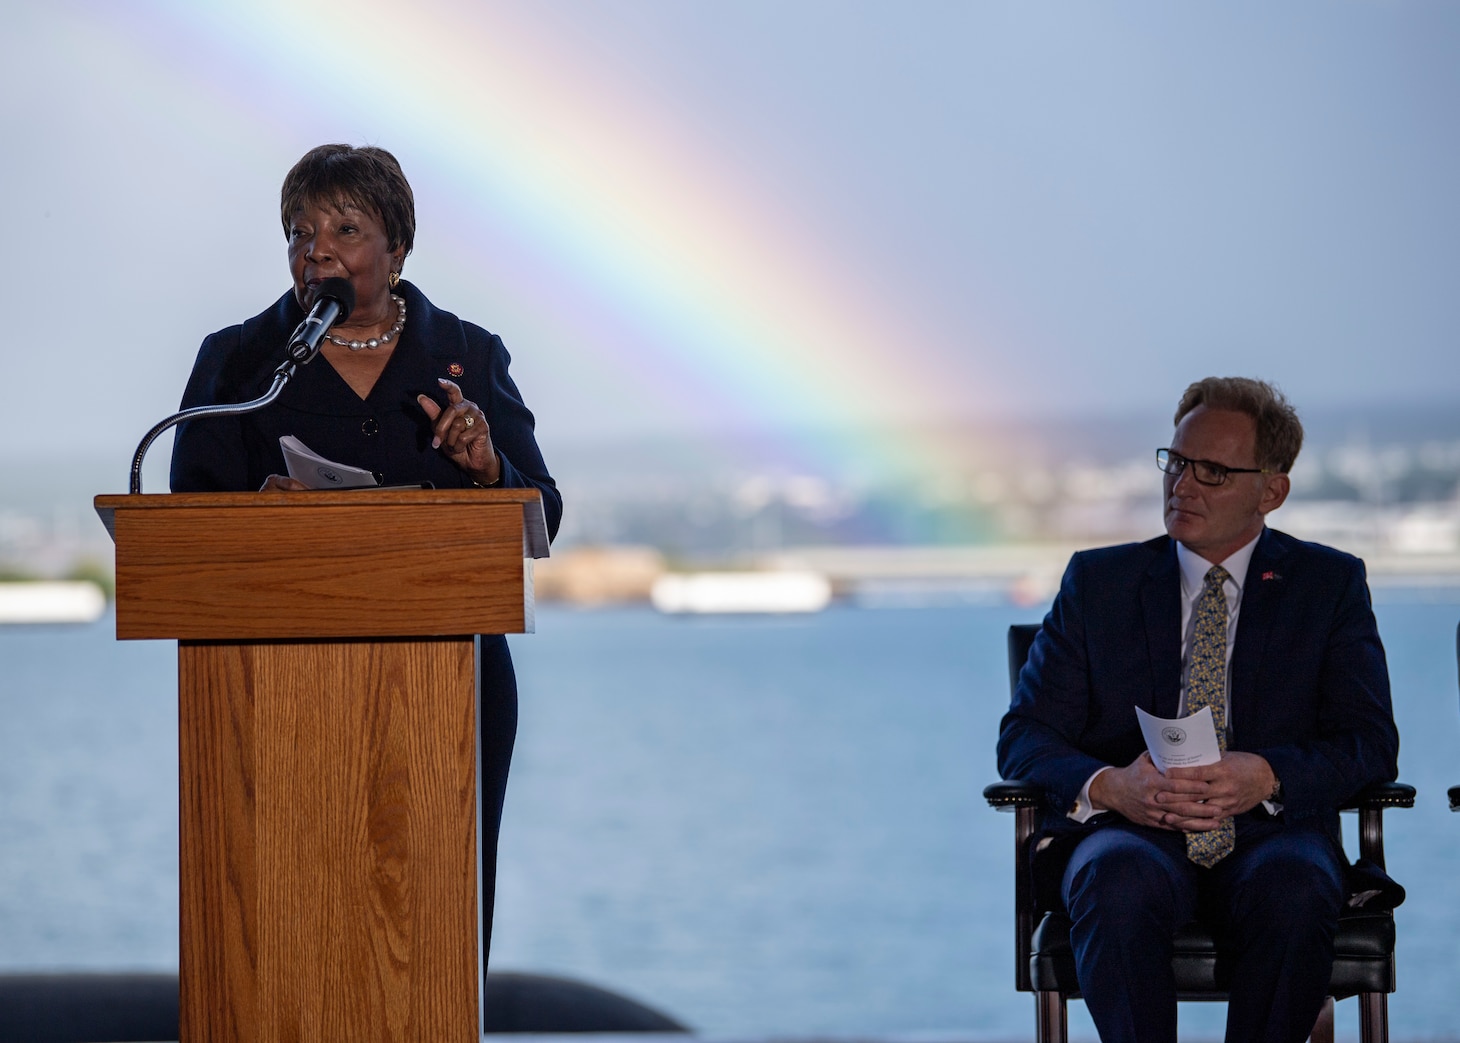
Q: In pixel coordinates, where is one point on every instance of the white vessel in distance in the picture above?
(706, 593)
(51, 601)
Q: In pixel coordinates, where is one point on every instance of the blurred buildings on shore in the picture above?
(996, 520)
(1001, 525)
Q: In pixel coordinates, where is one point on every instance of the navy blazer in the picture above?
(387, 432)
(1309, 685)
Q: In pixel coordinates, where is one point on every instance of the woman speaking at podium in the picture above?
(400, 388)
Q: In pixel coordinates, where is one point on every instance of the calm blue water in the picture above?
(764, 827)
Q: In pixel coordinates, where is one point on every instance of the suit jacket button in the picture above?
(370, 427)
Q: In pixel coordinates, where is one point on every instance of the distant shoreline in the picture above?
(1018, 574)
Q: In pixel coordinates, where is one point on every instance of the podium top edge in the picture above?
(535, 538)
(315, 498)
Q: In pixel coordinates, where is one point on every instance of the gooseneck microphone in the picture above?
(334, 299)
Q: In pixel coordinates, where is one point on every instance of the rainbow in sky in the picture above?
(619, 231)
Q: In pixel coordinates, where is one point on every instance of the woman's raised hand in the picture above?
(460, 431)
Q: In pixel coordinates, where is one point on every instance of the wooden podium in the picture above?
(327, 740)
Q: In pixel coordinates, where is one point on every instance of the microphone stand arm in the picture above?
(281, 377)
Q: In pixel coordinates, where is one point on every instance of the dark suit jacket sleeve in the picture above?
(1354, 741)
(1040, 738)
(208, 455)
(513, 437)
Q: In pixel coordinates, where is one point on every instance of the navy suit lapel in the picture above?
(1161, 607)
(1262, 594)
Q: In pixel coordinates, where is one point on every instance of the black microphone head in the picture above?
(340, 290)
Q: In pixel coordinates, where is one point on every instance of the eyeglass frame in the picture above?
(1222, 470)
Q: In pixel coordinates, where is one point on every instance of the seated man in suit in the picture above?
(1278, 638)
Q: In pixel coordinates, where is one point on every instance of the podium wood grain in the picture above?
(327, 746)
(328, 841)
(374, 563)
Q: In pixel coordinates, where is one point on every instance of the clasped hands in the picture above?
(1185, 799)
(459, 430)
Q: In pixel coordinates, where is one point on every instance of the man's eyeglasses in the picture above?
(1204, 471)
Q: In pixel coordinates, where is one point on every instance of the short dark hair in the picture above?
(341, 175)
(1279, 431)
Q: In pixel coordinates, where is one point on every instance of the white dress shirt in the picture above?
(1194, 570)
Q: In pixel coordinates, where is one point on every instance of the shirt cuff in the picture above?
(1084, 811)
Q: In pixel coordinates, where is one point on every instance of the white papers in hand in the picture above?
(1186, 742)
(307, 466)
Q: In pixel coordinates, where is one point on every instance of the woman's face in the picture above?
(326, 243)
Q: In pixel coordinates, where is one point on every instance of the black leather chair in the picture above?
(1044, 963)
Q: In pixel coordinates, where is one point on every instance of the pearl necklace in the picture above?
(385, 338)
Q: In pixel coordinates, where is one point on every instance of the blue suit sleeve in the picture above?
(1355, 742)
(1051, 704)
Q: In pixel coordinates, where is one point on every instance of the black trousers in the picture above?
(497, 731)
(1276, 900)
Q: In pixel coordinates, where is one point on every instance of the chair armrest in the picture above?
(1011, 794)
(1023, 799)
(1381, 795)
(1370, 803)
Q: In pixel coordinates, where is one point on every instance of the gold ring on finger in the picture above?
(470, 420)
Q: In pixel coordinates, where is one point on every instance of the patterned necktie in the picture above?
(1206, 685)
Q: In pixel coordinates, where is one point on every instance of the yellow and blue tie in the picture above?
(1206, 685)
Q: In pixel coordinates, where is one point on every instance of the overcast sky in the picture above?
(690, 216)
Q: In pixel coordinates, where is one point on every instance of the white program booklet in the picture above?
(307, 466)
(1186, 742)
